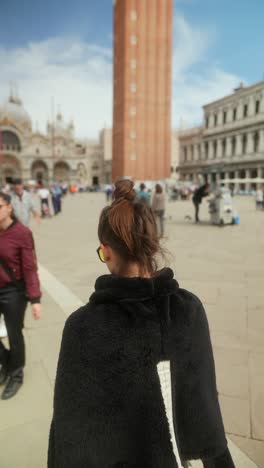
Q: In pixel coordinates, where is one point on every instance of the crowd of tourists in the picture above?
(135, 384)
(24, 198)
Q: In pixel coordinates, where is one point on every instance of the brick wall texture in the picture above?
(142, 89)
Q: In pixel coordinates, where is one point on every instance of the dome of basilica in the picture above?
(13, 112)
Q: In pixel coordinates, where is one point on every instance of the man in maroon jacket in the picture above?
(19, 283)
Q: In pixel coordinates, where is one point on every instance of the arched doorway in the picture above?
(10, 167)
(40, 172)
(61, 171)
(95, 176)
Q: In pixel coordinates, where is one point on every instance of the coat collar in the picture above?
(113, 288)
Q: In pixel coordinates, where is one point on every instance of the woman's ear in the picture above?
(10, 209)
(107, 251)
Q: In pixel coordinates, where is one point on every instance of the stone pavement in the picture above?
(223, 266)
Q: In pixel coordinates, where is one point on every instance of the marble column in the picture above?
(238, 145)
(251, 106)
(261, 141)
(218, 179)
(248, 175)
(250, 146)
(200, 179)
(261, 107)
(187, 153)
(195, 151)
(260, 172)
(197, 178)
(219, 149)
(229, 115)
(211, 150)
(202, 151)
(236, 185)
(228, 147)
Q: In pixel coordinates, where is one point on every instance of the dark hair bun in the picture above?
(124, 190)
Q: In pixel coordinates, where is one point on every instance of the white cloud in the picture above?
(189, 45)
(196, 79)
(79, 77)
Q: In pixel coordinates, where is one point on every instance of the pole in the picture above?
(52, 128)
(1, 146)
(1, 154)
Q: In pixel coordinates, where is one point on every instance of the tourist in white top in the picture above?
(43, 194)
(23, 203)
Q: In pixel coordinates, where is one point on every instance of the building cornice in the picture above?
(234, 129)
(241, 92)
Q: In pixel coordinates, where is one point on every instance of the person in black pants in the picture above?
(13, 304)
(19, 284)
(56, 198)
(199, 194)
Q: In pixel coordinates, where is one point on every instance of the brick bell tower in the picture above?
(142, 89)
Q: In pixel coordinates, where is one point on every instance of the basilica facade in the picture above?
(54, 156)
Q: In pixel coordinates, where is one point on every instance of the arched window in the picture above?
(10, 141)
(256, 142)
(206, 150)
(244, 144)
(245, 111)
(233, 146)
(191, 152)
(223, 147)
(215, 148)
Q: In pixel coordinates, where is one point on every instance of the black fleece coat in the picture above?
(108, 405)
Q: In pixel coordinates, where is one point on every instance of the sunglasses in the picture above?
(100, 254)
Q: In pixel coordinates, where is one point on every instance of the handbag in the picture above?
(9, 272)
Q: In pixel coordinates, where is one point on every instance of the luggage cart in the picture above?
(221, 207)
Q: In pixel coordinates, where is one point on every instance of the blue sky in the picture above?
(64, 49)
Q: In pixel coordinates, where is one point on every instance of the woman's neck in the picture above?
(132, 270)
(4, 225)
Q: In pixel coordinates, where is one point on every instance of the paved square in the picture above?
(223, 266)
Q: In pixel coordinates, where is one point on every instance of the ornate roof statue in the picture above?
(71, 127)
